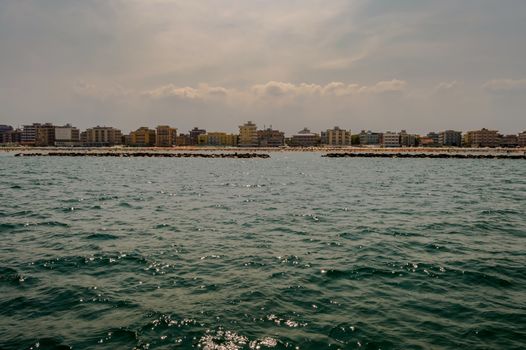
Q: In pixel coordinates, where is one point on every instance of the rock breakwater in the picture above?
(144, 154)
(425, 155)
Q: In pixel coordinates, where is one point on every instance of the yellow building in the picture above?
(102, 136)
(165, 136)
(248, 135)
(142, 137)
(217, 139)
(336, 137)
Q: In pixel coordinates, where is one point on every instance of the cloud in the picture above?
(112, 91)
(279, 89)
(502, 85)
(446, 86)
(203, 91)
(272, 90)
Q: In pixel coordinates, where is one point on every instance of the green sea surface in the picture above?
(292, 252)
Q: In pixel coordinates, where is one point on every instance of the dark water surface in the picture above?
(296, 251)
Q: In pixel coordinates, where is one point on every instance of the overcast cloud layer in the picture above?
(366, 64)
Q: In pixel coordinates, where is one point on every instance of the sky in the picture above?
(418, 65)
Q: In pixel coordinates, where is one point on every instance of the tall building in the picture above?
(165, 136)
(370, 138)
(407, 140)
(450, 138)
(194, 134)
(336, 137)
(217, 139)
(248, 135)
(305, 138)
(29, 134)
(522, 139)
(45, 135)
(142, 137)
(101, 136)
(271, 138)
(482, 138)
(391, 139)
(67, 136)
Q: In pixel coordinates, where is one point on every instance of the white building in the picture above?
(67, 136)
(391, 139)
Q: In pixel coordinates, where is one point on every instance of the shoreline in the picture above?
(352, 150)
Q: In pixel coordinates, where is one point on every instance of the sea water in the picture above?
(292, 252)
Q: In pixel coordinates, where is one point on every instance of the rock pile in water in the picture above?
(144, 154)
(424, 155)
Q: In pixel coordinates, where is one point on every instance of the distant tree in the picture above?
(355, 139)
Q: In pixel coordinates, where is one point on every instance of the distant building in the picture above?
(194, 134)
(435, 137)
(217, 139)
(4, 130)
(182, 140)
(509, 141)
(482, 138)
(142, 137)
(101, 136)
(426, 141)
(370, 138)
(29, 134)
(45, 135)
(407, 140)
(391, 139)
(66, 136)
(10, 136)
(248, 135)
(522, 139)
(305, 138)
(336, 137)
(450, 138)
(270, 138)
(125, 139)
(165, 136)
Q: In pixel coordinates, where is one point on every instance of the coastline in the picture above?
(226, 152)
(371, 150)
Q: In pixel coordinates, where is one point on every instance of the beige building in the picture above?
(271, 138)
(45, 135)
(305, 138)
(482, 138)
(102, 136)
(248, 135)
(142, 137)
(165, 136)
(336, 137)
(217, 139)
(522, 139)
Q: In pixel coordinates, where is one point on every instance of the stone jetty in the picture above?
(425, 155)
(144, 154)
